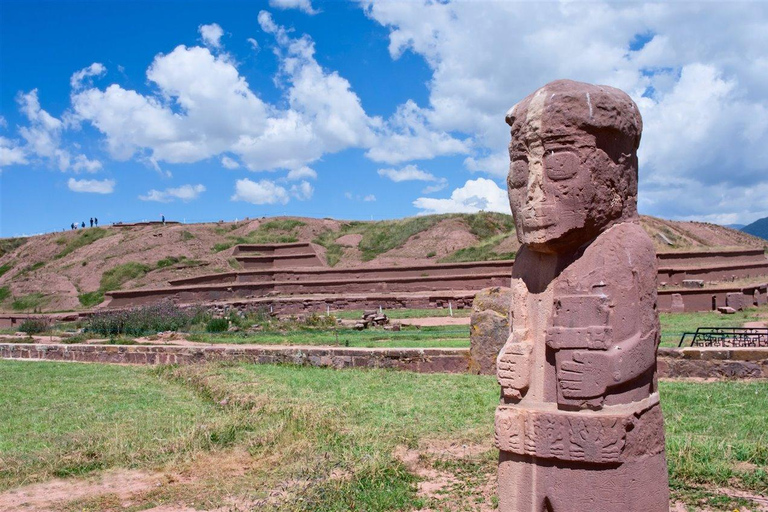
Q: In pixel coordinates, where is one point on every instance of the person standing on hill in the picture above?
(163, 219)
(83, 225)
(91, 221)
(96, 221)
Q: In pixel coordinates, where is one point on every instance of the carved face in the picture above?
(549, 185)
(565, 183)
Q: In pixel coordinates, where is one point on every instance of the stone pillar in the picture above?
(579, 427)
(489, 328)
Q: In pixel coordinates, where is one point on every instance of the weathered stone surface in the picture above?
(578, 370)
(737, 301)
(489, 328)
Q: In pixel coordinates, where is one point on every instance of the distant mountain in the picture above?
(735, 226)
(758, 228)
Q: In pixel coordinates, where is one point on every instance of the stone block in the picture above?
(736, 300)
(678, 306)
(693, 283)
(489, 328)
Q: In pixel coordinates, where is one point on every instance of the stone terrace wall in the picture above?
(703, 363)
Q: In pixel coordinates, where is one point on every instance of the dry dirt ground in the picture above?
(452, 477)
(34, 268)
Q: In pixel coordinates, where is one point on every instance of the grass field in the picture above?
(424, 337)
(316, 439)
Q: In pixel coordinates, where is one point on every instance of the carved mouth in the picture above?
(539, 218)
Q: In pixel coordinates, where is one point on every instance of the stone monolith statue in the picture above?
(579, 426)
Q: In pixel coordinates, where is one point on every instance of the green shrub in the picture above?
(34, 266)
(477, 253)
(217, 325)
(281, 225)
(5, 268)
(186, 236)
(9, 244)
(81, 239)
(34, 325)
(114, 278)
(431, 254)
(5, 292)
(485, 225)
(170, 260)
(222, 246)
(26, 302)
(91, 299)
(141, 321)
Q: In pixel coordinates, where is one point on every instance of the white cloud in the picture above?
(410, 136)
(11, 153)
(82, 163)
(475, 195)
(254, 44)
(261, 192)
(184, 193)
(302, 191)
(211, 35)
(369, 198)
(701, 80)
(229, 163)
(407, 173)
(495, 164)
(302, 5)
(3, 122)
(413, 173)
(77, 78)
(303, 172)
(91, 186)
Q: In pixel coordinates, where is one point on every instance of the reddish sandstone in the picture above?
(579, 426)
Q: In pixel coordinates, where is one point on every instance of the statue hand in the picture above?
(586, 375)
(513, 369)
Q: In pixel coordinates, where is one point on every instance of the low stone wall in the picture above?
(706, 363)
(713, 363)
(427, 360)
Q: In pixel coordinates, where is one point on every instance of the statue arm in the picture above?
(513, 364)
(608, 338)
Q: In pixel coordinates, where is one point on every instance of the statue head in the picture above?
(573, 163)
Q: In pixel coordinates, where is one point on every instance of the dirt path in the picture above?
(434, 320)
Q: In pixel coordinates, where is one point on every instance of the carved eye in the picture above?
(561, 165)
(518, 174)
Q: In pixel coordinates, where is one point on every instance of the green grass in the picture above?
(717, 434)
(486, 225)
(81, 238)
(91, 299)
(5, 268)
(382, 236)
(5, 292)
(438, 336)
(115, 277)
(279, 231)
(30, 302)
(9, 244)
(59, 419)
(281, 225)
(34, 266)
(301, 424)
(186, 236)
(673, 325)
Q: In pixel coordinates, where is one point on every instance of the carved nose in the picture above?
(535, 187)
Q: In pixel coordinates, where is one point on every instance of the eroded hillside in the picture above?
(72, 270)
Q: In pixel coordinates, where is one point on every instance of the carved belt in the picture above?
(605, 436)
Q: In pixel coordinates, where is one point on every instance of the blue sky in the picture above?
(202, 111)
